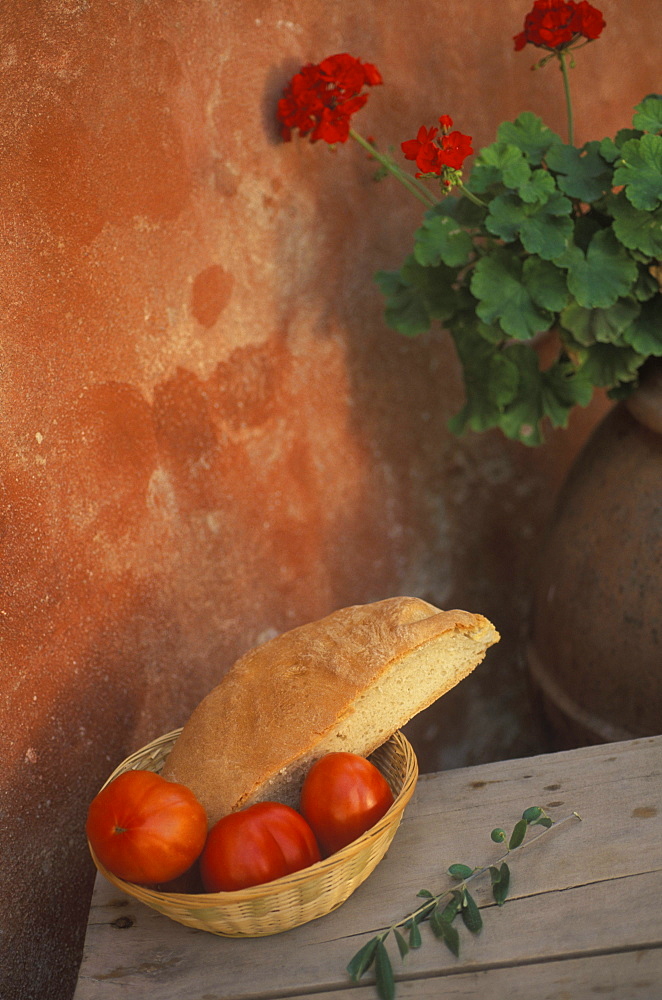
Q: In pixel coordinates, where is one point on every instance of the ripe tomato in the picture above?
(343, 795)
(255, 845)
(145, 829)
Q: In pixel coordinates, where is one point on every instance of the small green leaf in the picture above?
(531, 814)
(363, 959)
(640, 171)
(603, 274)
(608, 364)
(539, 187)
(518, 834)
(405, 310)
(384, 973)
(501, 886)
(499, 284)
(529, 133)
(498, 836)
(451, 938)
(425, 894)
(499, 163)
(415, 939)
(460, 871)
(441, 240)
(471, 914)
(583, 173)
(452, 908)
(403, 947)
(606, 326)
(648, 115)
(544, 821)
(645, 334)
(436, 924)
(636, 229)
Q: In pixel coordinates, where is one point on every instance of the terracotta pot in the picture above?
(595, 650)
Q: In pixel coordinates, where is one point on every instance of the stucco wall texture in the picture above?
(208, 433)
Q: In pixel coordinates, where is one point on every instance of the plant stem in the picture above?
(477, 873)
(470, 195)
(389, 164)
(568, 99)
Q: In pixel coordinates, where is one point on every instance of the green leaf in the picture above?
(499, 163)
(415, 295)
(608, 365)
(460, 871)
(384, 973)
(544, 821)
(544, 228)
(531, 814)
(498, 282)
(645, 332)
(635, 229)
(590, 326)
(501, 886)
(451, 938)
(641, 171)
(583, 173)
(425, 894)
(415, 939)
(436, 924)
(563, 388)
(403, 947)
(490, 377)
(648, 114)
(498, 836)
(471, 914)
(518, 834)
(362, 960)
(521, 418)
(603, 274)
(529, 134)
(546, 283)
(538, 188)
(441, 240)
(406, 310)
(452, 908)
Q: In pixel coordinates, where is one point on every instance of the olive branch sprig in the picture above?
(440, 910)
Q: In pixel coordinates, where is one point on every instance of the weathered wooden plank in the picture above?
(565, 889)
(634, 975)
(607, 916)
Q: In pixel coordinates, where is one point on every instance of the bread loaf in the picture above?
(345, 682)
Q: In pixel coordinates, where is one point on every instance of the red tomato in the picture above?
(342, 797)
(256, 845)
(145, 829)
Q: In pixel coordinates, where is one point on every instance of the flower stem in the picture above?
(470, 195)
(568, 99)
(389, 164)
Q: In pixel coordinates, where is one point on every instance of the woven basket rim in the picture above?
(314, 871)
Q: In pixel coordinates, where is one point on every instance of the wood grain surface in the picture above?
(583, 919)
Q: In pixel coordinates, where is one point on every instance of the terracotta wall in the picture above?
(208, 435)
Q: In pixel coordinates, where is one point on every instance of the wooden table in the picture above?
(584, 918)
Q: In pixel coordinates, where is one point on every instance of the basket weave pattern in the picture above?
(295, 899)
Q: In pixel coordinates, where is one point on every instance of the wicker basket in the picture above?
(295, 899)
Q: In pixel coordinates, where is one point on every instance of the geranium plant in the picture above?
(541, 236)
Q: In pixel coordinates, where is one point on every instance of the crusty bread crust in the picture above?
(347, 681)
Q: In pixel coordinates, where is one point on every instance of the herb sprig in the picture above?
(440, 910)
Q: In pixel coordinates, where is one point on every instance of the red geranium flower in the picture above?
(321, 98)
(423, 150)
(556, 24)
(432, 154)
(455, 147)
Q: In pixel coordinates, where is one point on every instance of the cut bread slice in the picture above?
(345, 682)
